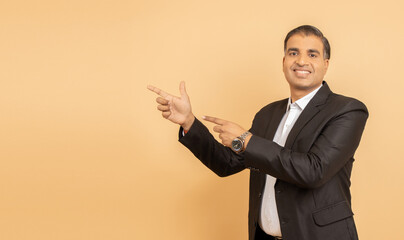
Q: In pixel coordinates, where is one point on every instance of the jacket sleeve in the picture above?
(218, 158)
(332, 148)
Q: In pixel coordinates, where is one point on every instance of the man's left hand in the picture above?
(228, 131)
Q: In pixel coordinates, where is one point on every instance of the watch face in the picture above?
(237, 144)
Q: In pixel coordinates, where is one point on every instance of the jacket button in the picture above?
(278, 191)
(259, 195)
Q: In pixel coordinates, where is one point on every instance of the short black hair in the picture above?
(308, 30)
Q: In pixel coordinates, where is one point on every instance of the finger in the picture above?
(218, 121)
(163, 108)
(157, 90)
(166, 114)
(183, 91)
(225, 141)
(162, 101)
(217, 129)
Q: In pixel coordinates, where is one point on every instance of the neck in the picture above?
(296, 94)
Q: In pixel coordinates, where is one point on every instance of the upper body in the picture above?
(312, 168)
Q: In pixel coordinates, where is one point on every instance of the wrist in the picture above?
(188, 122)
(247, 139)
(238, 145)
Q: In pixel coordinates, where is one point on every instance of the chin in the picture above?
(304, 87)
(302, 83)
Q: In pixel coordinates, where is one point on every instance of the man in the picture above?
(299, 150)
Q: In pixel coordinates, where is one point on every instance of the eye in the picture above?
(312, 55)
(293, 54)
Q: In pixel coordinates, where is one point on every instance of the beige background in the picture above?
(85, 155)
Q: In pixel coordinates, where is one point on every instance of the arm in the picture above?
(332, 148)
(218, 158)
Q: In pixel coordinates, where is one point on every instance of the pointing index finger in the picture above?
(157, 90)
(217, 121)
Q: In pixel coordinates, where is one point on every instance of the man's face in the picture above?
(304, 65)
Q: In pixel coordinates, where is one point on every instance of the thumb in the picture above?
(183, 91)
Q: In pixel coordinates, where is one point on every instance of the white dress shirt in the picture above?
(269, 219)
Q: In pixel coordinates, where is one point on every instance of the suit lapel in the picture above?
(308, 113)
(275, 119)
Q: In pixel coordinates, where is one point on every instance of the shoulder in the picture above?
(274, 106)
(270, 113)
(344, 103)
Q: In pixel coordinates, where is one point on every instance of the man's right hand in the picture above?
(176, 109)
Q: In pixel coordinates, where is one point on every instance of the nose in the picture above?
(301, 60)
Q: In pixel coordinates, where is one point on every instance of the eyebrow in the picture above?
(293, 50)
(313, 51)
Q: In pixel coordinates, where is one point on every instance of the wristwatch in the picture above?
(237, 144)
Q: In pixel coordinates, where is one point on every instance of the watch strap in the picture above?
(244, 135)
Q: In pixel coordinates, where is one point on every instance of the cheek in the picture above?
(286, 71)
(320, 70)
(286, 66)
(323, 69)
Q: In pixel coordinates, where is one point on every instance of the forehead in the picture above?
(303, 43)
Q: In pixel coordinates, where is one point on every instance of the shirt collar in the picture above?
(302, 102)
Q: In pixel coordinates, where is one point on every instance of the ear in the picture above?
(326, 63)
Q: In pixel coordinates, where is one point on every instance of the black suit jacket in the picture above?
(313, 169)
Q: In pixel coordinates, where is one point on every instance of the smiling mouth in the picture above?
(301, 73)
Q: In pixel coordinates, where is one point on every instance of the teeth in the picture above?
(302, 71)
